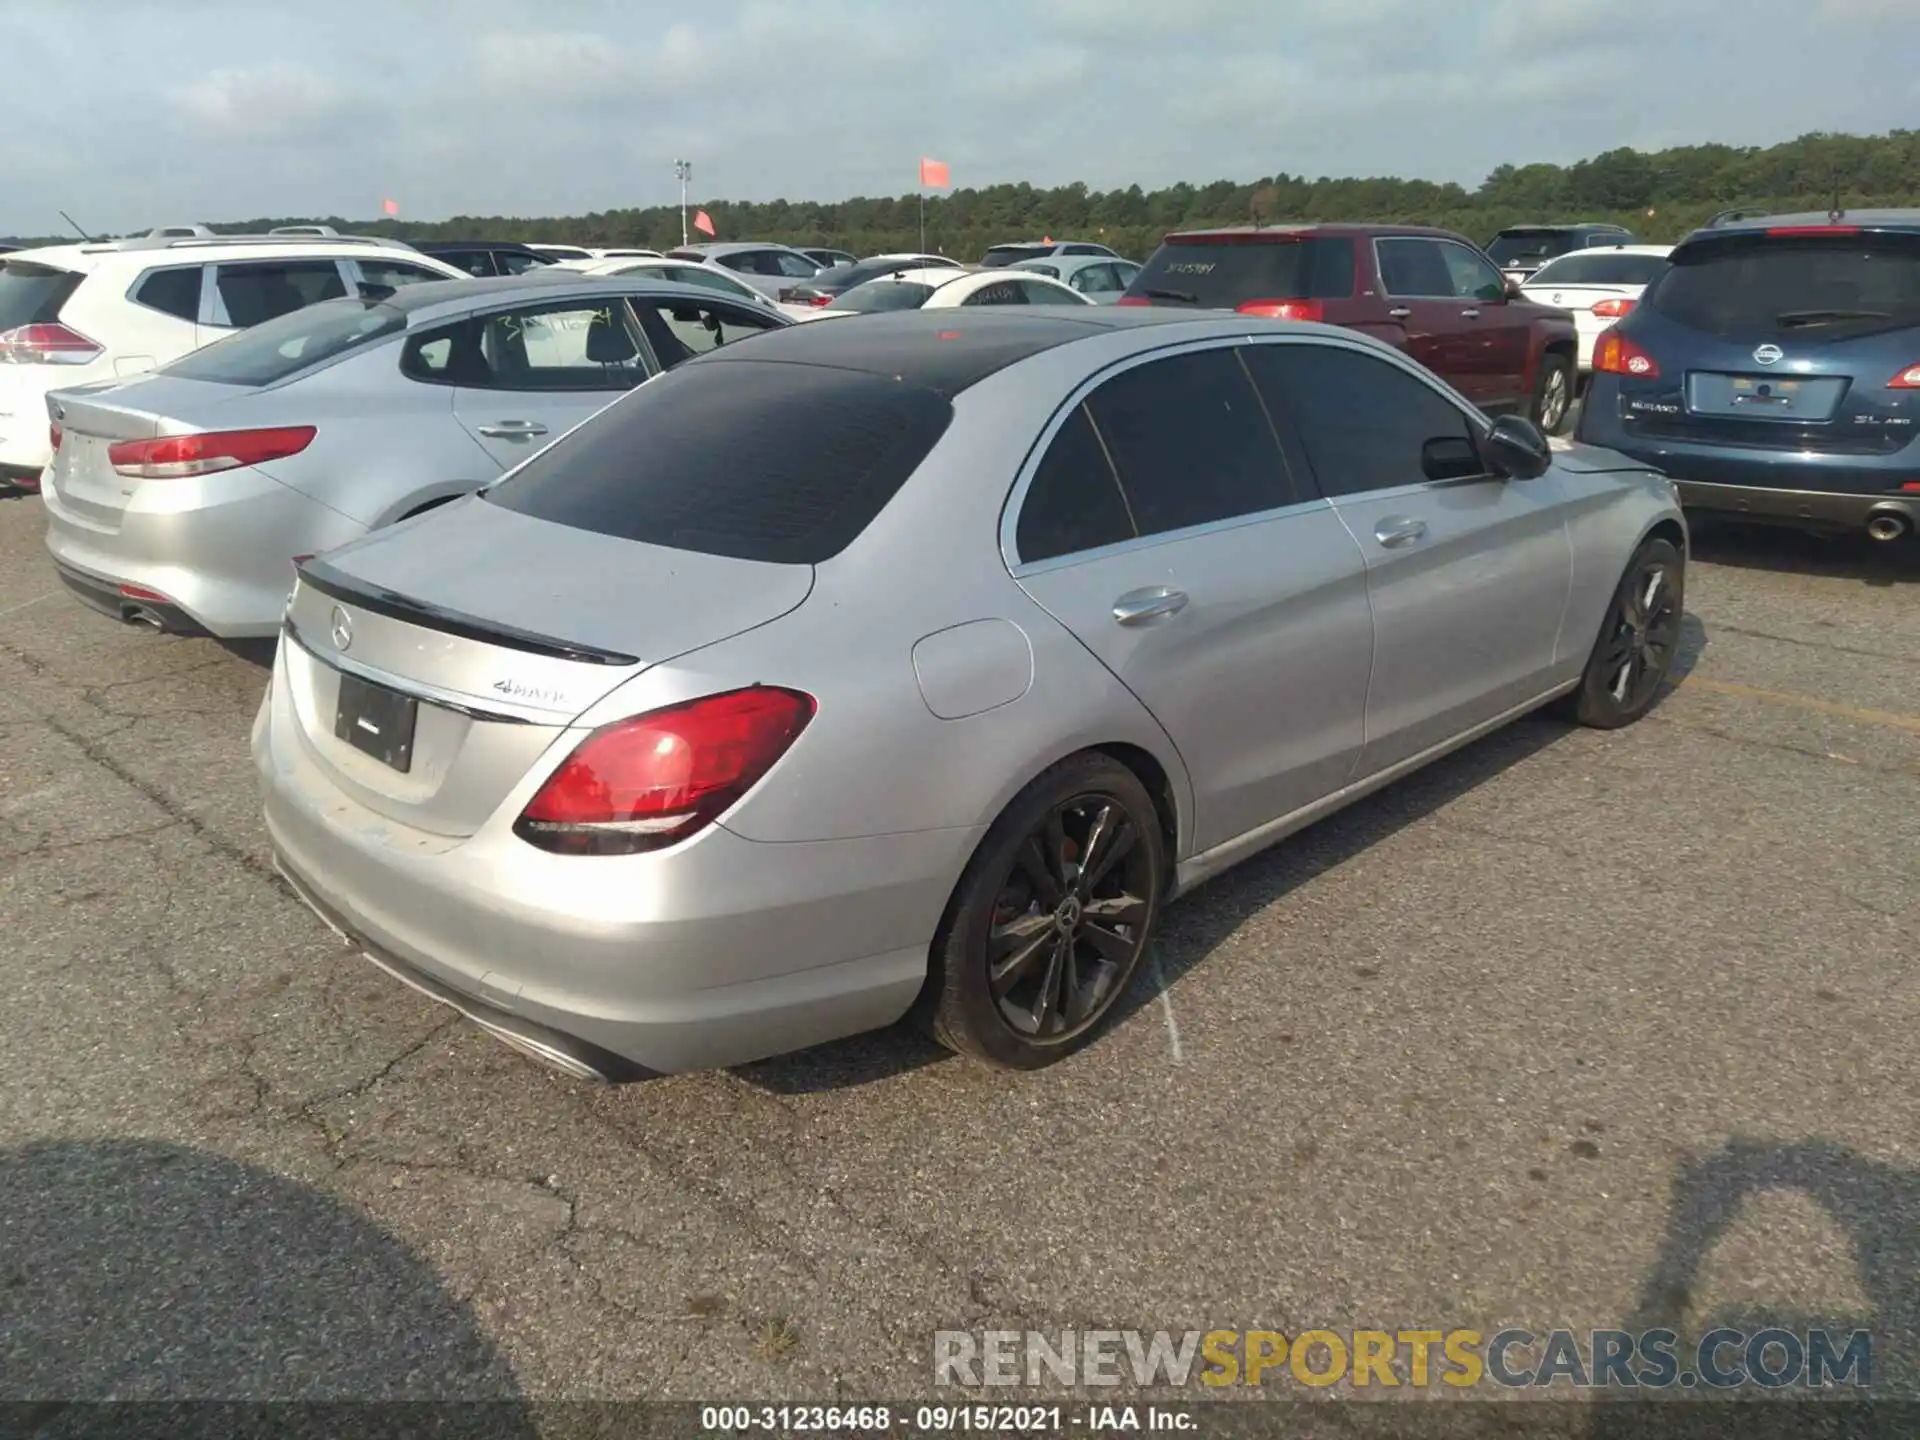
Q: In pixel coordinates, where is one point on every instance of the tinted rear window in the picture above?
(1822, 288)
(1221, 274)
(1512, 247)
(33, 294)
(1601, 268)
(1001, 256)
(672, 465)
(275, 349)
(884, 295)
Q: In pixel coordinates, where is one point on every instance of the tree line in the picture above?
(1658, 195)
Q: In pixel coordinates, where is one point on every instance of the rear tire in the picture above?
(1553, 393)
(1050, 919)
(1638, 641)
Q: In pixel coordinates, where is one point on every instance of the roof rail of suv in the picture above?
(161, 242)
(1738, 212)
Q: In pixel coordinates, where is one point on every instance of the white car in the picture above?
(768, 268)
(686, 272)
(578, 256)
(1598, 285)
(73, 315)
(947, 289)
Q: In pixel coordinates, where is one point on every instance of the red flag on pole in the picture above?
(933, 173)
(392, 207)
(703, 222)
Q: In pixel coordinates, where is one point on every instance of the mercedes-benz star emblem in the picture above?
(342, 628)
(1768, 355)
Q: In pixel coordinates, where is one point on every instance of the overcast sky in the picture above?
(135, 112)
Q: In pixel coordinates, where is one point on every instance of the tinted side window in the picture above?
(1363, 422)
(474, 262)
(1040, 293)
(794, 266)
(390, 275)
(173, 292)
(256, 292)
(1414, 269)
(1074, 502)
(1191, 440)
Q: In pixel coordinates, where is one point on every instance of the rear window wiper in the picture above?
(1186, 295)
(1824, 317)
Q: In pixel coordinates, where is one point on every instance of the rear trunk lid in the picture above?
(94, 418)
(462, 643)
(1225, 270)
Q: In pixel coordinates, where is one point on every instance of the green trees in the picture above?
(1659, 195)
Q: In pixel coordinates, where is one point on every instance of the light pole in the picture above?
(683, 169)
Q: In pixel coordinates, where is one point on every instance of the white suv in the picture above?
(78, 314)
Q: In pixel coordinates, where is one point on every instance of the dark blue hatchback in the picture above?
(1773, 372)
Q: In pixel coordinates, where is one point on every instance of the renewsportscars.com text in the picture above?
(1722, 1359)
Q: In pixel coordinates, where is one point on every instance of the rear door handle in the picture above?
(1397, 531)
(513, 429)
(1138, 607)
(1400, 312)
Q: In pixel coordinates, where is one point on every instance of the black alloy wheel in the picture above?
(1051, 918)
(1639, 640)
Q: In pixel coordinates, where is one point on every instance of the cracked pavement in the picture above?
(1572, 1029)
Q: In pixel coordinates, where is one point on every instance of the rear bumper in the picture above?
(1818, 507)
(104, 595)
(220, 548)
(717, 952)
(22, 478)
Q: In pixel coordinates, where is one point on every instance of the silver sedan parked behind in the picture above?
(180, 500)
(921, 662)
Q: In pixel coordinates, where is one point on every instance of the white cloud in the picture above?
(262, 102)
(548, 65)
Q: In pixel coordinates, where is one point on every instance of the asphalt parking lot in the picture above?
(1574, 1029)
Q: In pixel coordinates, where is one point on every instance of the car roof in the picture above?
(1622, 249)
(1071, 262)
(1555, 227)
(1886, 219)
(85, 258)
(732, 247)
(1332, 227)
(438, 297)
(949, 350)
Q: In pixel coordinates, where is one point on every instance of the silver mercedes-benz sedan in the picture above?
(914, 665)
(180, 500)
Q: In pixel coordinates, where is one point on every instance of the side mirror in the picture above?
(1515, 448)
(1513, 288)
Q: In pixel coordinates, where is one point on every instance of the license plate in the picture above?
(376, 721)
(1755, 391)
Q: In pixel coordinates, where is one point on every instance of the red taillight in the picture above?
(53, 437)
(1283, 309)
(1614, 354)
(818, 300)
(141, 592)
(46, 345)
(1813, 230)
(649, 782)
(1907, 379)
(174, 456)
(1133, 300)
(1613, 309)
(1912, 487)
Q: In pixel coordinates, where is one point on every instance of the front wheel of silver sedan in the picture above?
(1638, 641)
(1050, 919)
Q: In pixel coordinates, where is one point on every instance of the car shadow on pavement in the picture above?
(255, 652)
(1875, 1207)
(136, 1271)
(1190, 931)
(1840, 557)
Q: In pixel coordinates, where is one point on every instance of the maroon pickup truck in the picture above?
(1428, 292)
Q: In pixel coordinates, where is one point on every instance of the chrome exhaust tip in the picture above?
(1889, 524)
(141, 615)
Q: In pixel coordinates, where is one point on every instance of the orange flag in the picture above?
(703, 222)
(933, 173)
